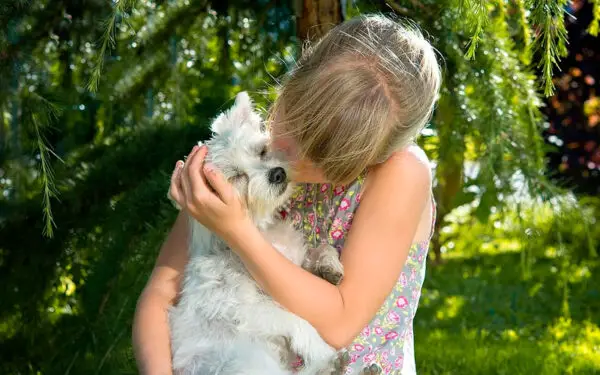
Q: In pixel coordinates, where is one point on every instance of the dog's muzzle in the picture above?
(277, 176)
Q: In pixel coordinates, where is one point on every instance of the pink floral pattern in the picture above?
(402, 302)
(324, 213)
(393, 317)
(344, 204)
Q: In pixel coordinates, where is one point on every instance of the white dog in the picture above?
(223, 323)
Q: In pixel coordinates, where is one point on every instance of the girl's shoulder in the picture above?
(412, 157)
(418, 154)
(407, 166)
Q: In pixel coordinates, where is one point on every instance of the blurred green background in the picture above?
(98, 99)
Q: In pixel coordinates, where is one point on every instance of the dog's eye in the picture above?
(239, 174)
(263, 152)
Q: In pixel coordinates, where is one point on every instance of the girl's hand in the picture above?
(205, 195)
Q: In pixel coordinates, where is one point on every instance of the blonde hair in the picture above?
(365, 90)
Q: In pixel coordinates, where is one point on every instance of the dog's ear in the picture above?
(243, 106)
(240, 113)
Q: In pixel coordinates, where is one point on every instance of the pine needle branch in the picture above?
(525, 31)
(52, 109)
(550, 41)
(46, 113)
(476, 13)
(48, 187)
(594, 27)
(108, 41)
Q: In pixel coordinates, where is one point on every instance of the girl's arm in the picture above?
(151, 338)
(376, 249)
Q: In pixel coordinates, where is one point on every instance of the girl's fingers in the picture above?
(218, 183)
(195, 174)
(175, 188)
(185, 183)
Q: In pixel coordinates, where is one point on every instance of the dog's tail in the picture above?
(242, 358)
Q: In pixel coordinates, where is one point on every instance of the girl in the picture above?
(346, 118)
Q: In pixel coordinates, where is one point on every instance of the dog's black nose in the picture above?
(277, 175)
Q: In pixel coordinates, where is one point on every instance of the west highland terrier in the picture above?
(223, 323)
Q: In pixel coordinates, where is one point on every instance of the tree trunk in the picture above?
(450, 167)
(450, 180)
(314, 18)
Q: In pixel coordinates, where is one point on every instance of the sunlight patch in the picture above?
(510, 335)
(451, 308)
(580, 341)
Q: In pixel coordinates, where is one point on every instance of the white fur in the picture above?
(223, 324)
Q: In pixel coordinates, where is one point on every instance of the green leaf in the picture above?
(463, 197)
(488, 200)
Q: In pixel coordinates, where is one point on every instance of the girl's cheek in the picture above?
(278, 145)
(286, 147)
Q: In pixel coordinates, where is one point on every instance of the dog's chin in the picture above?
(283, 192)
(264, 211)
(263, 217)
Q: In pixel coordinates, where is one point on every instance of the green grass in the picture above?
(67, 303)
(480, 315)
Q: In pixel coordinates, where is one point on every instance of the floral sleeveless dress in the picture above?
(324, 213)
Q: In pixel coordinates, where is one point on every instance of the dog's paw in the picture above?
(328, 265)
(373, 369)
(331, 274)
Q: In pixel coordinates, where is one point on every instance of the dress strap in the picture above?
(433, 216)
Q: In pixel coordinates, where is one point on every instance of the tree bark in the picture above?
(450, 167)
(314, 18)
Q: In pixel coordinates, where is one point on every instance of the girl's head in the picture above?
(365, 90)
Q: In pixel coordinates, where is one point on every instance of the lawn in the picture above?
(478, 315)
